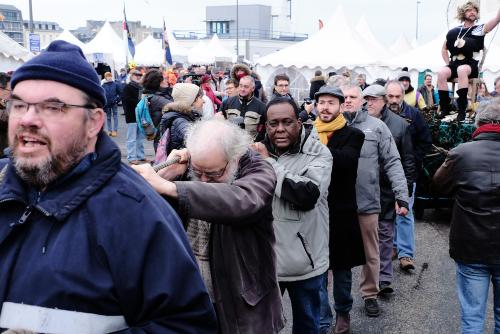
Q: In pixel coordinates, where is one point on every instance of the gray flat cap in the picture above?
(374, 91)
(332, 91)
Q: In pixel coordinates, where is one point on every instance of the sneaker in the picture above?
(371, 307)
(406, 263)
(385, 288)
(114, 133)
(134, 162)
(342, 324)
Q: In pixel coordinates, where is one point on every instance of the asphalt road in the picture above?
(424, 301)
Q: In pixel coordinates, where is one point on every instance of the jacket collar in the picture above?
(488, 136)
(360, 116)
(299, 147)
(64, 196)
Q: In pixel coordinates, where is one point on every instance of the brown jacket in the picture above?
(242, 257)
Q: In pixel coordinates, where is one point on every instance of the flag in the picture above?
(166, 45)
(320, 24)
(131, 46)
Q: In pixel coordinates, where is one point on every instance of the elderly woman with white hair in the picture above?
(471, 172)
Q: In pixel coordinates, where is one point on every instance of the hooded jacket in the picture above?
(378, 151)
(112, 90)
(242, 256)
(99, 240)
(177, 117)
(157, 101)
(300, 207)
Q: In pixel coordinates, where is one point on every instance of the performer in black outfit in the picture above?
(463, 44)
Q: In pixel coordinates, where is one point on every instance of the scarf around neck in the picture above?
(325, 130)
(486, 128)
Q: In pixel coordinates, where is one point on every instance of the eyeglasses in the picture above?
(287, 122)
(210, 175)
(46, 109)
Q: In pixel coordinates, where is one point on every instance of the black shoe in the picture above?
(461, 117)
(371, 307)
(385, 288)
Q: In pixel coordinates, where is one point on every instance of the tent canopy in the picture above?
(209, 53)
(401, 45)
(365, 33)
(108, 42)
(327, 48)
(10, 48)
(67, 36)
(149, 52)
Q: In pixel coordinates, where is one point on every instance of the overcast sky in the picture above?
(387, 18)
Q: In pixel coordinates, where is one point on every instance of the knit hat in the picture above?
(404, 75)
(62, 62)
(374, 91)
(185, 93)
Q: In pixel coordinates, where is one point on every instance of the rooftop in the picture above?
(8, 7)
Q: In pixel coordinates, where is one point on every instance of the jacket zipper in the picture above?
(307, 249)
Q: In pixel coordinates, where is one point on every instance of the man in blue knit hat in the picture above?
(86, 246)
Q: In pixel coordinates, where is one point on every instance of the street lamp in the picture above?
(416, 30)
(237, 30)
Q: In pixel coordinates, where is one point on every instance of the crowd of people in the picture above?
(259, 195)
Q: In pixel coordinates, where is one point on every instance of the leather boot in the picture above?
(462, 103)
(444, 103)
(342, 323)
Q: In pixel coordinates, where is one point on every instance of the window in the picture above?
(219, 27)
(53, 27)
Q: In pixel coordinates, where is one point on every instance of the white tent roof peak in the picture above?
(401, 45)
(67, 36)
(106, 41)
(365, 33)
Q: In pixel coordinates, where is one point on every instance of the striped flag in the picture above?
(131, 46)
(166, 45)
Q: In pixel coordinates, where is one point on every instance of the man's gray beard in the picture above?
(53, 167)
(232, 175)
(395, 108)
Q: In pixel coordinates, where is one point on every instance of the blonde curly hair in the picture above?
(462, 9)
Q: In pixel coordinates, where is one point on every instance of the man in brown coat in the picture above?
(228, 218)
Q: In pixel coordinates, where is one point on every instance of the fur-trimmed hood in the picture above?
(180, 107)
(318, 78)
(241, 67)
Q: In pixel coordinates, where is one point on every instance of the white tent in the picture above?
(176, 49)
(12, 54)
(200, 54)
(365, 33)
(401, 45)
(218, 50)
(149, 52)
(334, 46)
(109, 44)
(67, 36)
(427, 56)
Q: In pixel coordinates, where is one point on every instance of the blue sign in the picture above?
(34, 42)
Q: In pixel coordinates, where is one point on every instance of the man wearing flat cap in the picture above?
(400, 130)
(346, 243)
(86, 246)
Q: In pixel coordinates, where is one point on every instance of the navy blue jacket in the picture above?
(177, 119)
(113, 92)
(421, 138)
(103, 242)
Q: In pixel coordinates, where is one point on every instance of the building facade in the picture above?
(47, 30)
(11, 23)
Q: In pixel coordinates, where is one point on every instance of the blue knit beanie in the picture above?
(62, 62)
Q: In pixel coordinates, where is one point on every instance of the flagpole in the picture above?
(125, 37)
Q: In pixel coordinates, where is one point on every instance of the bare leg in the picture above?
(443, 75)
(463, 72)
